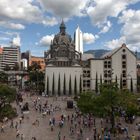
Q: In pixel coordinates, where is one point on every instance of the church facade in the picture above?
(63, 65)
(68, 71)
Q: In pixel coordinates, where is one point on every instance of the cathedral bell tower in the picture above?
(62, 28)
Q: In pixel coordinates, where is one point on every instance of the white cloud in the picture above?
(106, 27)
(16, 26)
(16, 41)
(4, 38)
(11, 25)
(131, 27)
(64, 8)
(89, 38)
(9, 33)
(46, 40)
(21, 10)
(48, 21)
(102, 9)
(115, 43)
(39, 53)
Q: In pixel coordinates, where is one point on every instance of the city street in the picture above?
(42, 130)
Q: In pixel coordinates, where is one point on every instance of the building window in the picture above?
(109, 66)
(109, 62)
(123, 56)
(123, 50)
(105, 66)
(86, 73)
(123, 66)
(124, 83)
(105, 75)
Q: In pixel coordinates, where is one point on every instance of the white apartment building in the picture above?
(9, 56)
(118, 65)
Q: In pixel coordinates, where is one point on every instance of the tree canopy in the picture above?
(3, 77)
(109, 102)
(7, 95)
(36, 77)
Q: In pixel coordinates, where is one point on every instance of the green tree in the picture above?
(129, 103)
(80, 85)
(70, 89)
(96, 83)
(100, 79)
(131, 85)
(64, 86)
(36, 77)
(116, 80)
(16, 66)
(138, 83)
(7, 95)
(7, 67)
(109, 98)
(85, 103)
(3, 77)
(121, 82)
(47, 85)
(104, 104)
(75, 86)
(53, 86)
(7, 92)
(34, 67)
(109, 102)
(59, 86)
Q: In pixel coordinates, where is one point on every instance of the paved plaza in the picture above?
(41, 129)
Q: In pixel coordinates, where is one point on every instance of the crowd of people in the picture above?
(80, 127)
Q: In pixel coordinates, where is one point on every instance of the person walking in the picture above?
(133, 137)
(22, 137)
(59, 135)
(16, 126)
(64, 138)
(12, 124)
(17, 134)
(33, 138)
(2, 128)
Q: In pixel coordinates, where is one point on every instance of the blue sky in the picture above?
(105, 24)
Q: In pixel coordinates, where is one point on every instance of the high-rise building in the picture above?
(9, 57)
(78, 38)
(1, 50)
